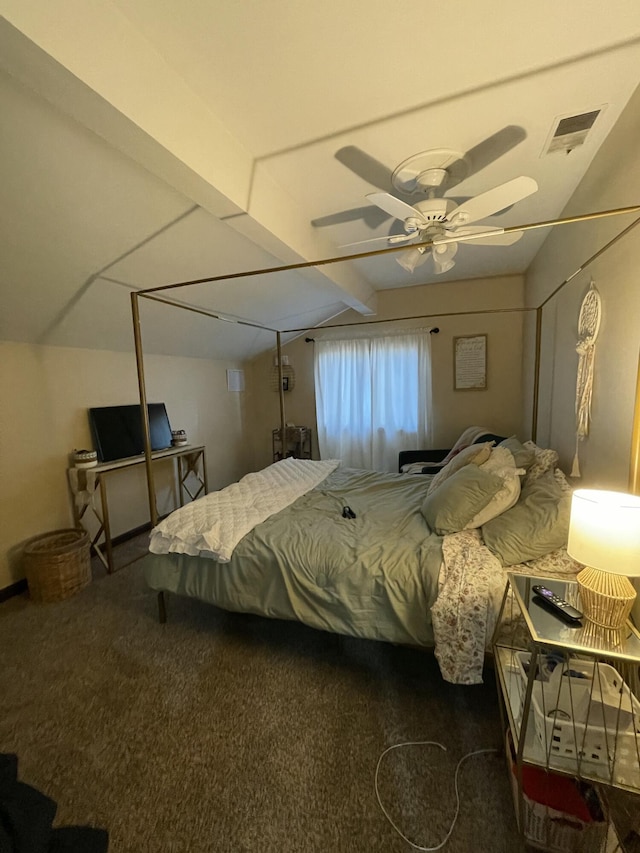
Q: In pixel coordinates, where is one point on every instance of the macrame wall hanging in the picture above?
(588, 327)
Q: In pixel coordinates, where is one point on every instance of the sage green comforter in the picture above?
(374, 576)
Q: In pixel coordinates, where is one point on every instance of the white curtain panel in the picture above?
(373, 398)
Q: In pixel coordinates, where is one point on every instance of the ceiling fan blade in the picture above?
(491, 149)
(394, 206)
(486, 152)
(497, 238)
(398, 238)
(494, 200)
(372, 216)
(365, 167)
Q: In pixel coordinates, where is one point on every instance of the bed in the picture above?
(413, 566)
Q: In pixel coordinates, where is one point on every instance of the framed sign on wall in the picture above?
(470, 363)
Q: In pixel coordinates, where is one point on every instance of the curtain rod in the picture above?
(433, 331)
(313, 340)
(413, 317)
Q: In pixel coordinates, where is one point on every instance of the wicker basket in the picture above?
(57, 564)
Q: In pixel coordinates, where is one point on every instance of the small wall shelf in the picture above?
(297, 443)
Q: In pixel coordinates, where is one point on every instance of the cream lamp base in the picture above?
(606, 599)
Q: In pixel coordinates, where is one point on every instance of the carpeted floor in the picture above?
(226, 732)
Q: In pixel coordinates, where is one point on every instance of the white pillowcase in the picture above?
(501, 463)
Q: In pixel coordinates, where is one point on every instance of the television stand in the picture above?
(85, 482)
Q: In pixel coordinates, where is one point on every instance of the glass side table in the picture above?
(568, 700)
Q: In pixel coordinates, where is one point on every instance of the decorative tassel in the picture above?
(575, 469)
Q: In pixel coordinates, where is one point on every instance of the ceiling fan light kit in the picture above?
(413, 258)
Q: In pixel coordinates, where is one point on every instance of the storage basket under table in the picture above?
(57, 564)
(585, 714)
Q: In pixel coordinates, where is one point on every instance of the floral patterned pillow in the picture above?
(546, 460)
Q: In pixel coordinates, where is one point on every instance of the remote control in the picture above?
(557, 605)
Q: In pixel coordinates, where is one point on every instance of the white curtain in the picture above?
(373, 398)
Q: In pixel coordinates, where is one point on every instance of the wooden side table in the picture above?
(85, 483)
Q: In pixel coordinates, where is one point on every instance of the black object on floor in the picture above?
(26, 820)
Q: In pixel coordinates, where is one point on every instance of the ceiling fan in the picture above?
(440, 220)
(379, 175)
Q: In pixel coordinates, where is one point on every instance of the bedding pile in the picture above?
(212, 526)
(471, 586)
(494, 517)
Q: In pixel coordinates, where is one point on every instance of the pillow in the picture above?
(476, 454)
(524, 456)
(502, 464)
(535, 526)
(546, 460)
(459, 498)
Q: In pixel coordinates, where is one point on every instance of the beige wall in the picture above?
(498, 408)
(612, 181)
(45, 393)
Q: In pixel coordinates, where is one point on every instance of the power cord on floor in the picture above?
(458, 765)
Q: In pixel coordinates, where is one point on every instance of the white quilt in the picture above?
(213, 525)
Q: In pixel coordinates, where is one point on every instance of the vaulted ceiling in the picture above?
(144, 143)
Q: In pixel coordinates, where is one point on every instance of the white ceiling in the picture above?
(144, 143)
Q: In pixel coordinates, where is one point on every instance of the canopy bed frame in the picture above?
(153, 293)
(334, 588)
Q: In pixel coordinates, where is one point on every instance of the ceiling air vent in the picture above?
(569, 132)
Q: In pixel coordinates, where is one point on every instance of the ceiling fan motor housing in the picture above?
(434, 209)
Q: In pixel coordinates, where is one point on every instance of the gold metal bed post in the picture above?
(283, 435)
(634, 466)
(137, 335)
(536, 376)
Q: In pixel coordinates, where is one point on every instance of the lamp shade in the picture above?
(604, 531)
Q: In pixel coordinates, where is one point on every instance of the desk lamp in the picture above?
(604, 535)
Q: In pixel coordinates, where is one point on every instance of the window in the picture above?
(373, 397)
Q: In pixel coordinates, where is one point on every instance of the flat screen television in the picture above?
(117, 430)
